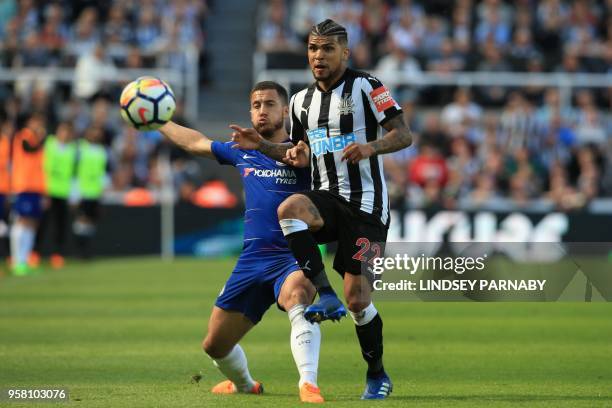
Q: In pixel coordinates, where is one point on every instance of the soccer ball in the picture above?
(147, 103)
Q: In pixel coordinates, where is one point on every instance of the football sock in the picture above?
(27, 242)
(305, 345)
(234, 366)
(307, 253)
(22, 239)
(16, 233)
(369, 326)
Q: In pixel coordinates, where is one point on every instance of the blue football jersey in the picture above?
(267, 183)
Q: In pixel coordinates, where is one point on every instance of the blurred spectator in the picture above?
(522, 49)
(484, 193)
(518, 123)
(557, 141)
(274, 33)
(461, 115)
(117, 34)
(492, 28)
(187, 16)
(85, 35)
(493, 62)
(91, 72)
(361, 57)
(34, 53)
(551, 107)
(570, 63)
(590, 129)
(433, 133)
(406, 33)
(398, 62)
(148, 31)
(429, 166)
(310, 12)
(434, 35)
(375, 20)
(402, 6)
(348, 13)
(461, 31)
(502, 10)
(448, 60)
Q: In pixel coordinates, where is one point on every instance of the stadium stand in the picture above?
(97, 39)
(487, 146)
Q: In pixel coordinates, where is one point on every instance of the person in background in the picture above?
(28, 185)
(59, 165)
(6, 131)
(91, 178)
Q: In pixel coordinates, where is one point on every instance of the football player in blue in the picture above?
(266, 271)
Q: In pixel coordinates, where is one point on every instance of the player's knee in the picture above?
(290, 208)
(215, 348)
(301, 296)
(356, 305)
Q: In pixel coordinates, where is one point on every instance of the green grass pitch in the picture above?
(127, 333)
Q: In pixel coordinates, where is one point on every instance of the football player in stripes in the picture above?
(266, 272)
(336, 129)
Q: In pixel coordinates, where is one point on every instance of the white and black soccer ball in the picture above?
(147, 103)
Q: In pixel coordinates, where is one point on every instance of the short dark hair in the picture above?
(267, 85)
(329, 28)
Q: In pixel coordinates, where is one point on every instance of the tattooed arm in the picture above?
(277, 151)
(249, 139)
(397, 138)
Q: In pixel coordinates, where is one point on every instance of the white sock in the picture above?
(365, 316)
(16, 233)
(27, 242)
(234, 366)
(305, 345)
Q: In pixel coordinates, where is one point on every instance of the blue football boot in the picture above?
(377, 388)
(329, 307)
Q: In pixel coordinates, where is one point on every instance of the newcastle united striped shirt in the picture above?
(353, 110)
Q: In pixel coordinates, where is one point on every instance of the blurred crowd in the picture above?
(96, 38)
(488, 146)
(453, 35)
(521, 156)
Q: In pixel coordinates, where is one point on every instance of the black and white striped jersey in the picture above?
(353, 110)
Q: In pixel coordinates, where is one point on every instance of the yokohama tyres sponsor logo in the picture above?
(382, 98)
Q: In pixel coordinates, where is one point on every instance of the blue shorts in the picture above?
(28, 205)
(255, 284)
(2, 204)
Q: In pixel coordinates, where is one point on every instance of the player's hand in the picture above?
(355, 152)
(298, 156)
(245, 138)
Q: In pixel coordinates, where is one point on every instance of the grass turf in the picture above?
(127, 332)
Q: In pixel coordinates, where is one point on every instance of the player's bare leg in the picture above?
(225, 329)
(368, 326)
(296, 293)
(299, 218)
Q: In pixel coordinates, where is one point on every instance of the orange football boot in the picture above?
(34, 259)
(57, 261)
(228, 387)
(310, 393)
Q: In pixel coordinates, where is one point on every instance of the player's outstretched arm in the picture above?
(249, 139)
(187, 139)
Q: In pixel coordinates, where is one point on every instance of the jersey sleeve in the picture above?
(381, 102)
(297, 130)
(224, 152)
